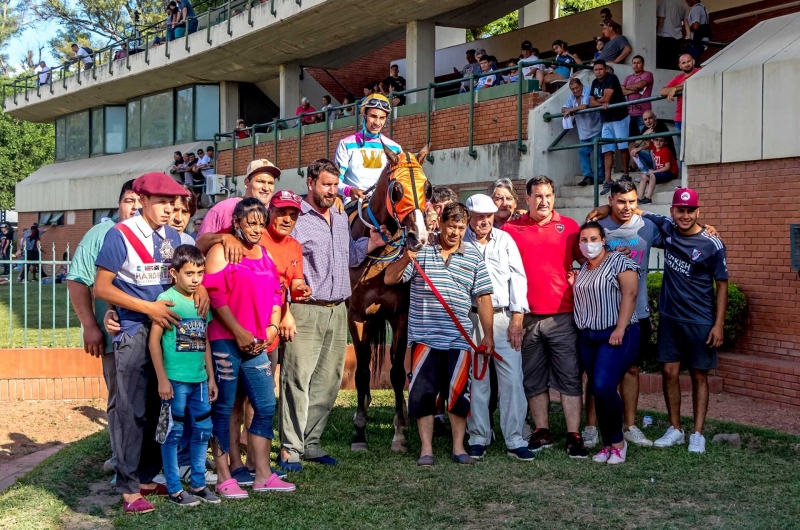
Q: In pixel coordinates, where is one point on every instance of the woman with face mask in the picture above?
(605, 301)
(246, 304)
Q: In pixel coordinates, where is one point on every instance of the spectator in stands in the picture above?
(605, 16)
(480, 53)
(588, 125)
(505, 198)
(697, 28)
(349, 99)
(188, 167)
(561, 71)
(205, 161)
(472, 66)
(606, 90)
(670, 15)
(186, 12)
(599, 44)
(617, 48)
(394, 83)
(44, 73)
(304, 108)
(172, 19)
(529, 55)
(122, 52)
(638, 85)
(177, 165)
(674, 89)
(512, 76)
(659, 167)
(241, 129)
(487, 81)
(83, 54)
(194, 227)
(653, 125)
(326, 113)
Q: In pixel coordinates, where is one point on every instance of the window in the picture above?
(61, 138)
(97, 131)
(184, 115)
(463, 195)
(78, 135)
(99, 215)
(115, 130)
(51, 218)
(157, 120)
(134, 124)
(206, 116)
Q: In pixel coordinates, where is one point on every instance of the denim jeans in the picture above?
(188, 404)
(585, 154)
(255, 372)
(605, 367)
(646, 158)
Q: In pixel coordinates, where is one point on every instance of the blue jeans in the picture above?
(605, 367)
(255, 372)
(585, 154)
(189, 402)
(637, 124)
(646, 158)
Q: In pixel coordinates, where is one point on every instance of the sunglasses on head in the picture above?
(377, 103)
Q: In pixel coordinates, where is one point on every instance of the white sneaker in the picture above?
(603, 455)
(160, 479)
(635, 436)
(185, 473)
(618, 455)
(590, 436)
(672, 437)
(697, 443)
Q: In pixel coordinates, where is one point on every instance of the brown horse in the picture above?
(398, 203)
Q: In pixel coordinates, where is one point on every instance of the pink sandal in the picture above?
(140, 505)
(230, 490)
(273, 483)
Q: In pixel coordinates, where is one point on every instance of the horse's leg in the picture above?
(397, 375)
(359, 330)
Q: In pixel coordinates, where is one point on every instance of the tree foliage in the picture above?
(508, 23)
(570, 7)
(24, 148)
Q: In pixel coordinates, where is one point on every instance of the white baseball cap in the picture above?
(481, 203)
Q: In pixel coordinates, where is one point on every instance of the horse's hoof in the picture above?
(399, 447)
(358, 447)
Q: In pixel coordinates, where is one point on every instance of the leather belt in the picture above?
(321, 303)
(494, 309)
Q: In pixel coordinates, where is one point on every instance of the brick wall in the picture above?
(755, 228)
(732, 30)
(60, 235)
(495, 121)
(372, 67)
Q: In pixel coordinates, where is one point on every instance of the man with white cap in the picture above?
(510, 302)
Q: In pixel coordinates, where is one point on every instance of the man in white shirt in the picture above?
(529, 55)
(669, 17)
(82, 55)
(510, 302)
(205, 161)
(44, 73)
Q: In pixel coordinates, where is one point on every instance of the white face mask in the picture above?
(591, 250)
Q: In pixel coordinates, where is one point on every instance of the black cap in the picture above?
(526, 45)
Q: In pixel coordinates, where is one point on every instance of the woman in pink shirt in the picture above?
(246, 304)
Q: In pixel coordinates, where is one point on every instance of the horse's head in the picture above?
(407, 195)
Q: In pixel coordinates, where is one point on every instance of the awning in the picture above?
(91, 183)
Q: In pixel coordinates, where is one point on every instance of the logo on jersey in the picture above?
(696, 255)
(372, 158)
(669, 239)
(166, 250)
(685, 196)
(559, 228)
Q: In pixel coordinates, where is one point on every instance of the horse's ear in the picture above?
(423, 153)
(390, 155)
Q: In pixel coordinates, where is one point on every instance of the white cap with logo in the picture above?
(481, 203)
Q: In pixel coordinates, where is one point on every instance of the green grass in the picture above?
(13, 310)
(755, 487)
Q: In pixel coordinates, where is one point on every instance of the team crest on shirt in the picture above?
(294, 263)
(669, 239)
(166, 250)
(559, 228)
(696, 255)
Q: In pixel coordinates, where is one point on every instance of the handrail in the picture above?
(557, 115)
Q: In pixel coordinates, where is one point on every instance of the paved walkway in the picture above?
(11, 471)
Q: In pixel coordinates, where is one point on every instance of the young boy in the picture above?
(182, 362)
(658, 168)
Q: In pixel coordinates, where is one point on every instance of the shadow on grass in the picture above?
(755, 487)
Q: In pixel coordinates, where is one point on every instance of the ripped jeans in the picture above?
(255, 373)
(189, 405)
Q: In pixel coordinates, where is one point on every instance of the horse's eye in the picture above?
(428, 191)
(396, 192)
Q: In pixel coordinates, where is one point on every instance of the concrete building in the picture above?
(124, 118)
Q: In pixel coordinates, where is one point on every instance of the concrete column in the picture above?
(228, 105)
(639, 26)
(446, 37)
(290, 89)
(536, 13)
(420, 56)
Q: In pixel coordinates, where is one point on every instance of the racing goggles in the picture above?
(377, 101)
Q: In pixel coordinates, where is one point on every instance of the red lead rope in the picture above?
(479, 350)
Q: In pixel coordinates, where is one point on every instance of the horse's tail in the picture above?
(377, 342)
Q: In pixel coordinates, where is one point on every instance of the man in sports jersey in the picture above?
(360, 156)
(691, 317)
(132, 270)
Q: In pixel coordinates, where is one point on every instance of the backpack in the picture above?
(703, 31)
(88, 50)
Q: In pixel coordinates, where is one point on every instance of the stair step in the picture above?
(588, 191)
(663, 198)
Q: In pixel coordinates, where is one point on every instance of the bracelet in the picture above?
(277, 331)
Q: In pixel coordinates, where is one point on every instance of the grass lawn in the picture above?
(757, 486)
(13, 311)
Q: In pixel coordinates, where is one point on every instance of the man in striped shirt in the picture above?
(440, 354)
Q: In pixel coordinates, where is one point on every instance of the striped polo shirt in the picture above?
(134, 277)
(459, 279)
(597, 293)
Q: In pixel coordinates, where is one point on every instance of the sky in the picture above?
(30, 39)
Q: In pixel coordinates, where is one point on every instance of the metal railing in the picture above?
(595, 144)
(275, 125)
(154, 35)
(32, 308)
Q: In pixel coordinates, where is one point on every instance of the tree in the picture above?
(570, 7)
(9, 27)
(24, 148)
(508, 23)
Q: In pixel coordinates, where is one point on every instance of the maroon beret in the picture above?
(158, 184)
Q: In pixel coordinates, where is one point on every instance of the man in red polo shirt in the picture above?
(548, 244)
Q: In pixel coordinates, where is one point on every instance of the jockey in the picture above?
(360, 156)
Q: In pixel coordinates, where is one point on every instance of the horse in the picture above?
(398, 202)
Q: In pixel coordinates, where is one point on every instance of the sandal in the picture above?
(425, 461)
(230, 490)
(273, 483)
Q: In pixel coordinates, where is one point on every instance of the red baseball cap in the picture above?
(285, 199)
(158, 184)
(685, 197)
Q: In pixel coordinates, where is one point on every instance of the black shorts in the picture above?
(645, 332)
(678, 341)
